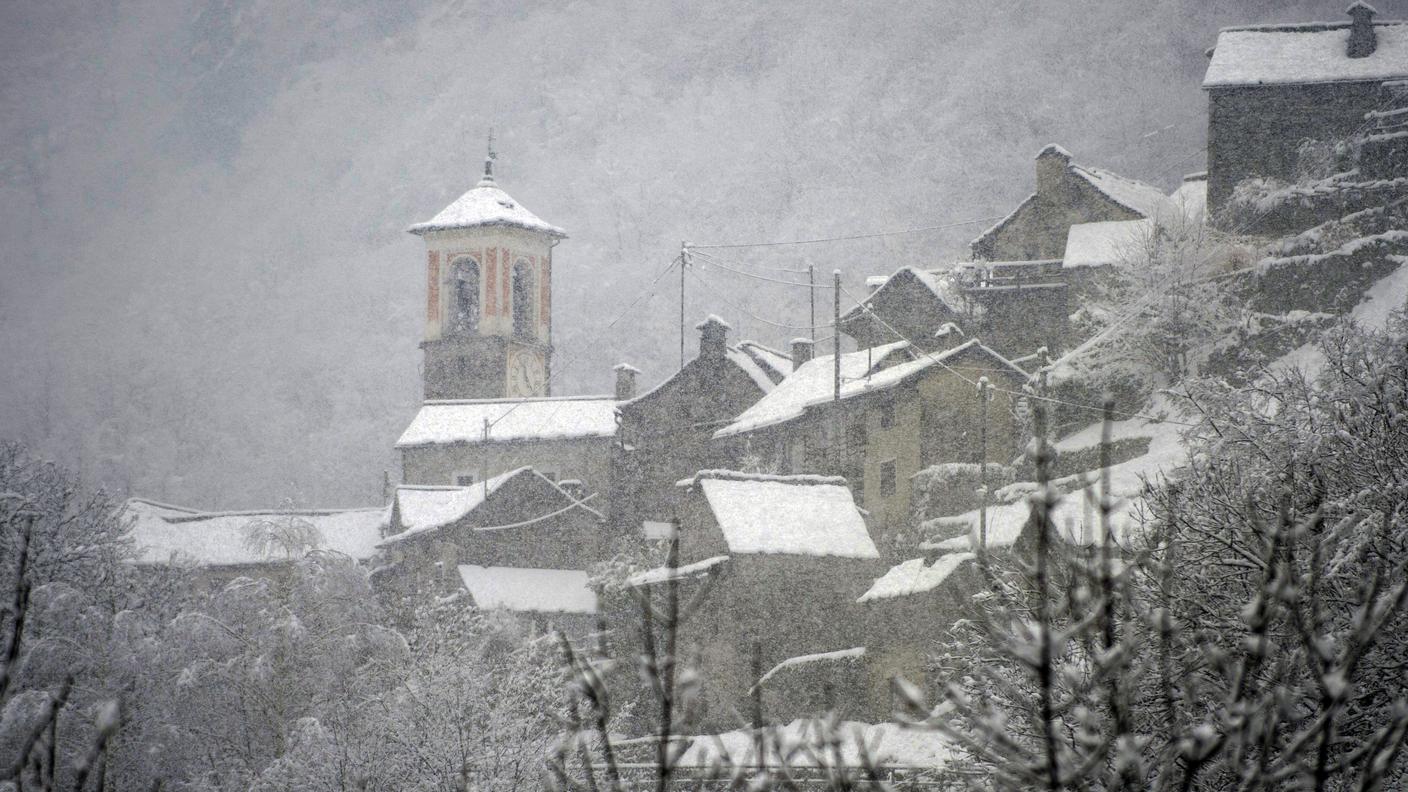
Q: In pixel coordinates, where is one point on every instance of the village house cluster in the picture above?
(793, 477)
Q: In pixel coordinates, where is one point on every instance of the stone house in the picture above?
(516, 541)
(908, 611)
(665, 434)
(779, 562)
(1066, 194)
(1272, 88)
(897, 411)
(1015, 306)
(462, 442)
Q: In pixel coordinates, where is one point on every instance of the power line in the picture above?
(718, 263)
(848, 238)
(710, 288)
(792, 270)
(974, 383)
(643, 295)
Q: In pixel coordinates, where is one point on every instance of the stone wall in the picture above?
(585, 459)
(1256, 130)
(666, 435)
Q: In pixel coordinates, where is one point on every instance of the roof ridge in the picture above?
(800, 479)
(161, 505)
(1302, 27)
(520, 399)
(192, 516)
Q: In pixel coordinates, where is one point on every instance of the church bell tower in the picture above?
(488, 312)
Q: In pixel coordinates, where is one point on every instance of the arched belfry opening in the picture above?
(523, 300)
(464, 274)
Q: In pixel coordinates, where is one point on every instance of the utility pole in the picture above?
(483, 472)
(684, 264)
(840, 424)
(836, 336)
(983, 461)
(811, 295)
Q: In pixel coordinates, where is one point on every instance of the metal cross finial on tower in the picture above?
(489, 160)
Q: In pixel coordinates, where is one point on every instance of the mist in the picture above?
(208, 295)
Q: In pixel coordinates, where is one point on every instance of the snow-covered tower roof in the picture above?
(486, 204)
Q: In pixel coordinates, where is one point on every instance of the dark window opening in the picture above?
(887, 415)
(464, 480)
(855, 439)
(887, 478)
(466, 290)
(522, 300)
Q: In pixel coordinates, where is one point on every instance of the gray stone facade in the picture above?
(665, 434)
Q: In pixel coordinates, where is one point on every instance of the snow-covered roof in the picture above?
(750, 366)
(862, 372)
(765, 367)
(424, 508)
(786, 515)
(1104, 243)
(914, 577)
(529, 590)
(939, 283)
(811, 383)
(485, 205)
(840, 655)
(662, 574)
(163, 534)
(545, 418)
(778, 364)
(1133, 195)
(1301, 54)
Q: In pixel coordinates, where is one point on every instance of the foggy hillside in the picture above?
(208, 295)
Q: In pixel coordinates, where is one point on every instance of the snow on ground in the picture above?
(1076, 517)
(165, 534)
(547, 418)
(531, 590)
(1291, 54)
(914, 577)
(1387, 295)
(888, 743)
(787, 515)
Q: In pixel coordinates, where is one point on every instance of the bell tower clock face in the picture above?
(527, 373)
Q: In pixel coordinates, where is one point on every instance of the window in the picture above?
(887, 478)
(887, 415)
(465, 313)
(855, 439)
(464, 479)
(523, 300)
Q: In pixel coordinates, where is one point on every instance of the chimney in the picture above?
(713, 337)
(625, 381)
(802, 350)
(1362, 39)
(1051, 165)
